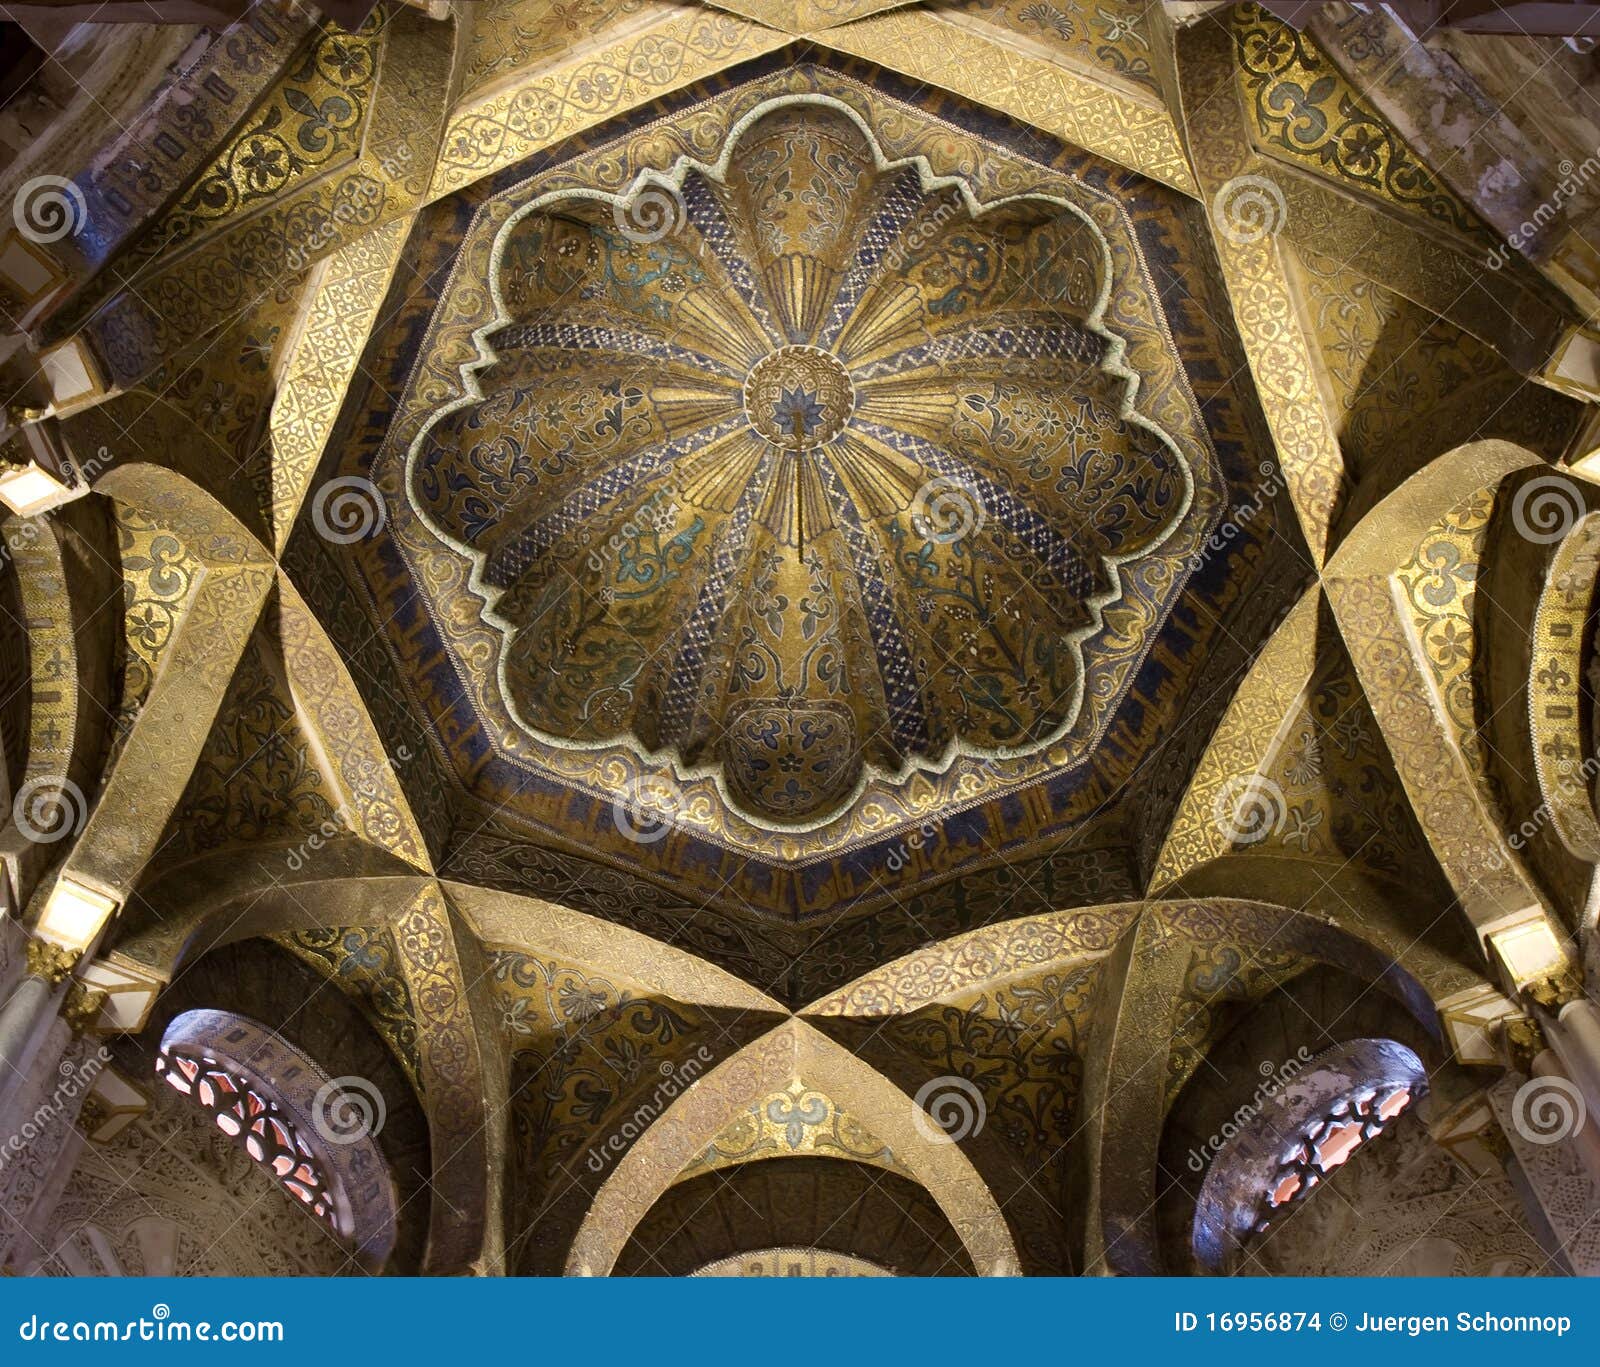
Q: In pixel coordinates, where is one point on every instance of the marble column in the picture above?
(39, 1149)
(26, 1016)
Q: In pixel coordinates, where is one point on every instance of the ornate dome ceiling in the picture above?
(794, 470)
(800, 466)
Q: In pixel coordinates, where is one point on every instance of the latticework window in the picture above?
(269, 1136)
(1330, 1141)
(1285, 1141)
(313, 1135)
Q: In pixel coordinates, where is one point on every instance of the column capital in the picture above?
(1552, 991)
(82, 1007)
(1522, 1041)
(50, 961)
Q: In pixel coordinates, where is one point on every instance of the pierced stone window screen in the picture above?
(1331, 1140)
(1288, 1141)
(279, 1106)
(268, 1136)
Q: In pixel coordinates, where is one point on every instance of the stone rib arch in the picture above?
(1249, 734)
(210, 632)
(1361, 581)
(694, 1119)
(71, 662)
(533, 924)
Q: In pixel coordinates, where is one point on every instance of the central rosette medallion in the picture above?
(825, 473)
(799, 396)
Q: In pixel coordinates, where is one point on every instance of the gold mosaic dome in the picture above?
(800, 466)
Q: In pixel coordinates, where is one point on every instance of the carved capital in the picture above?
(19, 414)
(92, 1114)
(82, 1007)
(1523, 1041)
(1555, 990)
(51, 961)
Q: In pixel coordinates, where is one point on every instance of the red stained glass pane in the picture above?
(1394, 1103)
(1338, 1144)
(253, 1117)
